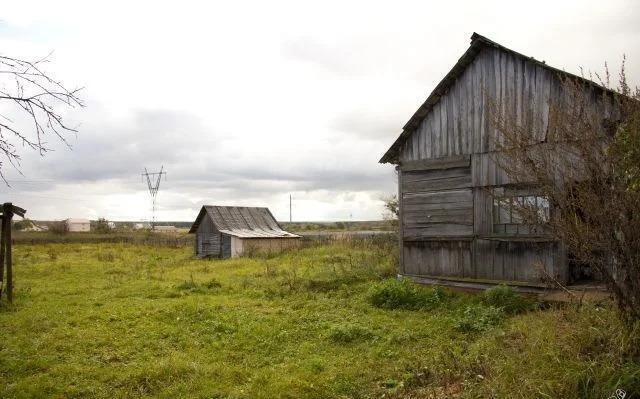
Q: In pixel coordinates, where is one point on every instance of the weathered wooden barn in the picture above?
(454, 226)
(230, 231)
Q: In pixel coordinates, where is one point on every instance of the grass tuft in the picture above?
(478, 318)
(348, 333)
(506, 298)
(403, 294)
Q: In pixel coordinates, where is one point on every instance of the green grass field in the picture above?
(120, 320)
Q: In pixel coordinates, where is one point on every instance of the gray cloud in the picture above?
(292, 101)
(373, 124)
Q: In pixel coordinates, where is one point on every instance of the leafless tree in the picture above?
(586, 163)
(29, 94)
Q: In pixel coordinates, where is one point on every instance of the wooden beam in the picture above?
(437, 238)
(18, 211)
(457, 161)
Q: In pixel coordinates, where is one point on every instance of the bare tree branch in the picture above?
(37, 96)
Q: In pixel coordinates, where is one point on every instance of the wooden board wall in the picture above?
(460, 122)
(208, 240)
(438, 258)
(436, 203)
(484, 259)
(447, 228)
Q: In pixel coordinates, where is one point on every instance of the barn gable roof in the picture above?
(242, 222)
(478, 42)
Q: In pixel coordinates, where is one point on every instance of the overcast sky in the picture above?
(246, 102)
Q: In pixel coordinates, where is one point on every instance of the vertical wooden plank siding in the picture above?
(459, 123)
(400, 228)
(208, 239)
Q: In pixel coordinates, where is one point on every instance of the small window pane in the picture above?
(543, 209)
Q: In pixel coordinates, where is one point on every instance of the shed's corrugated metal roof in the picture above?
(242, 222)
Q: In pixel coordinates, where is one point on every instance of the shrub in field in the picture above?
(101, 226)
(349, 333)
(106, 256)
(52, 253)
(193, 286)
(506, 298)
(58, 228)
(213, 284)
(478, 318)
(403, 294)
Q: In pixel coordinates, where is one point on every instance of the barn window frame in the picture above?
(506, 218)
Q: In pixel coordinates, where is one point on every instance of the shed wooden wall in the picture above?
(208, 239)
(268, 244)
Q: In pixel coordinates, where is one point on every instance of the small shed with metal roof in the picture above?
(230, 231)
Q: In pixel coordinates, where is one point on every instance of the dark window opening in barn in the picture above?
(514, 214)
(581, 272)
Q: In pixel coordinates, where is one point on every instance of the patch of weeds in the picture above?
(270, 271)
(316, 365)
(290, 279)
(403, 294)
(189, 285)
(349, 333)
(335, 259)
(392, 385)
(213, 284)
(314, 285)
(478, 318)
(506, 298)
(106, 256)
(217, 328)
(193, 286)
(52, 253)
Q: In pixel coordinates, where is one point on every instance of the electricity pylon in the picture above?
(153, 182)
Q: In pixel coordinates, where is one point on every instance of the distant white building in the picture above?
(78, 225)
(142, 225)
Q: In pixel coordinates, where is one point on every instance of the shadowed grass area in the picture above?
(119, 321)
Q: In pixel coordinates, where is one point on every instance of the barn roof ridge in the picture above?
(478, 42)
(242, 221)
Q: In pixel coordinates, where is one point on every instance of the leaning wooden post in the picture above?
(7, 215)
(2, 238)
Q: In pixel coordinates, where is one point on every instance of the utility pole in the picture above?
(290, 218)
(153, 182)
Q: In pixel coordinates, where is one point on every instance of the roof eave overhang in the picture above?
(196, 223)
(392, 154)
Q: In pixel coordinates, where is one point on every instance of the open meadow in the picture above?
(326, 321)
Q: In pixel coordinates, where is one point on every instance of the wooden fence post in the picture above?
(2, 238)
(8, 210)
(7, 215)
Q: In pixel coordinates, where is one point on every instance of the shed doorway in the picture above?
(226, 246)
